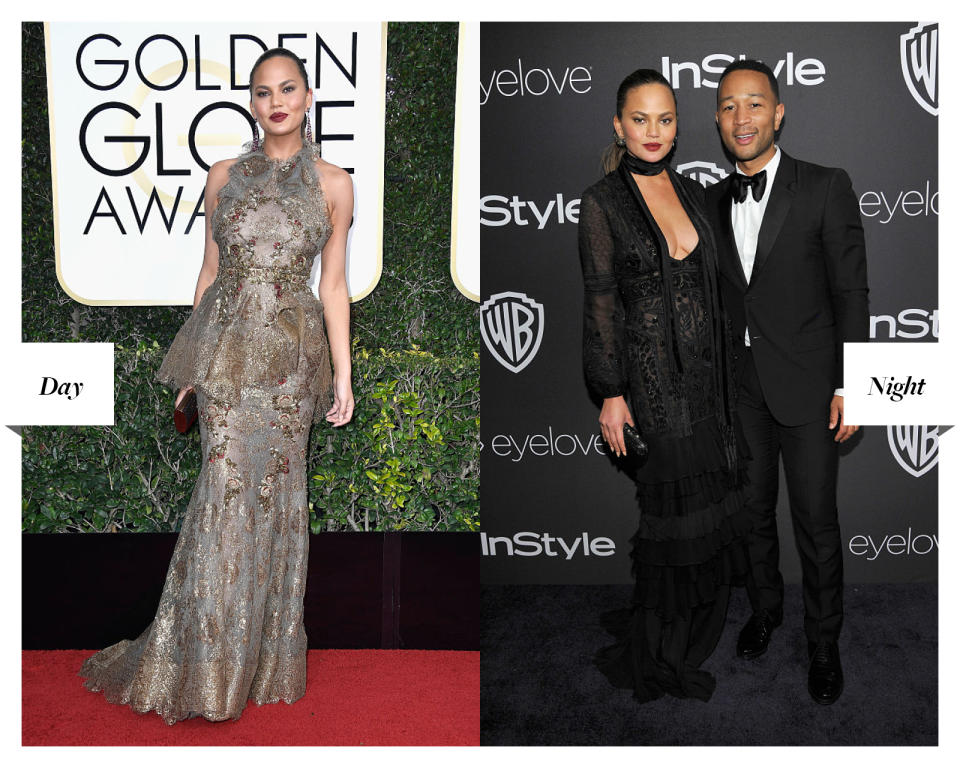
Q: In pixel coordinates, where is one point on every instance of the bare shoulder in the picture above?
(331, 174)
(336, 182)
(219, 172)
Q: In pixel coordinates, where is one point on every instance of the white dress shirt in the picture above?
(746, 218)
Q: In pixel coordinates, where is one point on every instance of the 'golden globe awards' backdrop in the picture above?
(138, 114)
(464, 234)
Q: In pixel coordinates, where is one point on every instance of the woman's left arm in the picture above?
(338, 189)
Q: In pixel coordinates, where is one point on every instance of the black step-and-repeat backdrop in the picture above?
(556, 507)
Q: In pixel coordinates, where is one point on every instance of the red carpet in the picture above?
(386, 698)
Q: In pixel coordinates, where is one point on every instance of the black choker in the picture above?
(636, 165)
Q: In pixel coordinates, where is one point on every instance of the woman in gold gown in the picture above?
(257, 350)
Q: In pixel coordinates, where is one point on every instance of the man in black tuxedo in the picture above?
(793, 279)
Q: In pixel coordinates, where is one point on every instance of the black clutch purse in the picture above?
(186, 413)
(635, 445)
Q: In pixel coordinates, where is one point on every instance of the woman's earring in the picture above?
(309, 130)
(256, 137)
(620, 141)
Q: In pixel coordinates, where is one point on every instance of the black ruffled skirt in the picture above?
(689, 550)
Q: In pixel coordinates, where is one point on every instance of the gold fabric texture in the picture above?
(229, 626)
(259, 321)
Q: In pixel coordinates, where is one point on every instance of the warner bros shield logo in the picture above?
(702, 171)
(512, 328)
(914, 448)
(918, 58)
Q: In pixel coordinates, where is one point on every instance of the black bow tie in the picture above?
(756, 183)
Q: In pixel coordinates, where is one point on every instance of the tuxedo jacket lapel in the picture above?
(730, 263)
(781, 198)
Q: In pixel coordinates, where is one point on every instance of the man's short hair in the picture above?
(753, 65)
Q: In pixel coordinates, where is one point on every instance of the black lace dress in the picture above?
(660, 343)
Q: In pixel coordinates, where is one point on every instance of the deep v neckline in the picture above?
(655, 225)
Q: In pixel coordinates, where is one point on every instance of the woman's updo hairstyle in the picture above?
(273, 53)
(613, 153)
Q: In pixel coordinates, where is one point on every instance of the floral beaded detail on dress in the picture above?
(229, 626)
(259, 320)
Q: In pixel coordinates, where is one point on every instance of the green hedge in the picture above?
(409, 460)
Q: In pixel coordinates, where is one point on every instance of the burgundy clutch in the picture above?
(186, 413)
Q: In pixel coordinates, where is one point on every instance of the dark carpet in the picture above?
(539, 686)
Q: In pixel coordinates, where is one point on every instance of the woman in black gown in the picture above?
(654, 350)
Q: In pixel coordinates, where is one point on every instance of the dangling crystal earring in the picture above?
(309, 130)
(620, 141)
(256, 138)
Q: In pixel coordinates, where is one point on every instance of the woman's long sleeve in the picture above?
(603, 315)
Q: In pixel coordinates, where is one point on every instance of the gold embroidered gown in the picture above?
(229, 626)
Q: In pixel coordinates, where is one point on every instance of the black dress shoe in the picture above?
(755, 635)
(825, 679)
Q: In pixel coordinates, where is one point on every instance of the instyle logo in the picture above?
(910, 202)
(523, 213)
(511, 325)
(909, 324)
(530, 544)
(918, 60)
(895, 544)
(693, 74)
(535, 81)
(701, 171)
(914, 447)
(516, 447)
